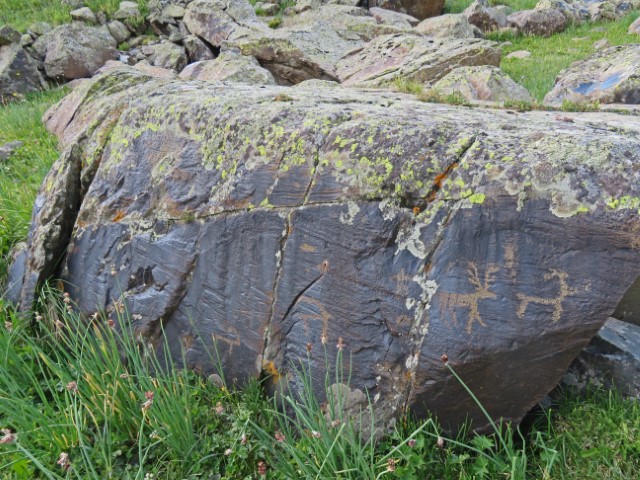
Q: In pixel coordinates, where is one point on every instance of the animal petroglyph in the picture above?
(563, 292)
(451, 301)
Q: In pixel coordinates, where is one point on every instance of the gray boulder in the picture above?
(166, 55)
(19, 73)
(575, 11)
(230, 67)
(282, 224)
(216, 21)
(389, 17)
(544, 22)
(611, 360)
(126, 11)
(196, 49)
(76, 51)
(449, 25)
(39, 28)
(608, 76)
(118, 31)
(484, 82)
(8, 35)
(634, 28)
(414, 58)
(486, 18)
(84, 14)
(8, 149)
(419, 9)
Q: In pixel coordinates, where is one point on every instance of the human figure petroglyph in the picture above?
(563, 292)
(450, 301)
(314, 316)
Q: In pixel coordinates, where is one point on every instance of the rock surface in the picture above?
(611, 360)
(610, 75)
(449, 25)
(414, 58)
(19, 74)
(8, 149)
(8, 35)
(229, 67)
(544, 22)
(76, 50)
(419, 9)
(482, 83)
(278, 221)
(486, 18)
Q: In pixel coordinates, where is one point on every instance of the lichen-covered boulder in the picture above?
(414, 58)
(230, 67)
(481, 83)
(285, 224)
(610, 75)
(538, 21)
(76, 51)
(419, 9)
(389, 17)
(19, 74)
(450, 25)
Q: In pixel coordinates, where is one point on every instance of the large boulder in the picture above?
(611, 75)
(298, 53)
(230, 67)
(19, 74)
(413, 58)
(485, 83)
(450, 25)
(286, 224)
(419, 9)
(544, 22)
(76, 51)
(350, 23)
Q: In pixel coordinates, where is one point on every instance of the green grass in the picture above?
(22, 13)
(21, 174)
(458, 6)
(550, 55)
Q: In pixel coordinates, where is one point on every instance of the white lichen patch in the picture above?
(389, 208)
(410, 238)
(349, 216)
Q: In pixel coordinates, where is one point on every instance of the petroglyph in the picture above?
(320, 314)
(563, 292)
(402, 283)
(450, 301)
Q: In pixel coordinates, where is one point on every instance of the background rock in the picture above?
(275, 221)
(76, 50)
(166, 55)
(196, 49)
(84, 14)
(608, 76)
(8, 149)
(544, 22)
(413, 58)
(449, 25)
(230, 67)
(419, 9)
(19, 74)
(611, 360)
(390, 17)
(8, 35)
(486, 18)
(482, 83)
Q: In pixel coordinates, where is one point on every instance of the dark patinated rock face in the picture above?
(280, 223)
